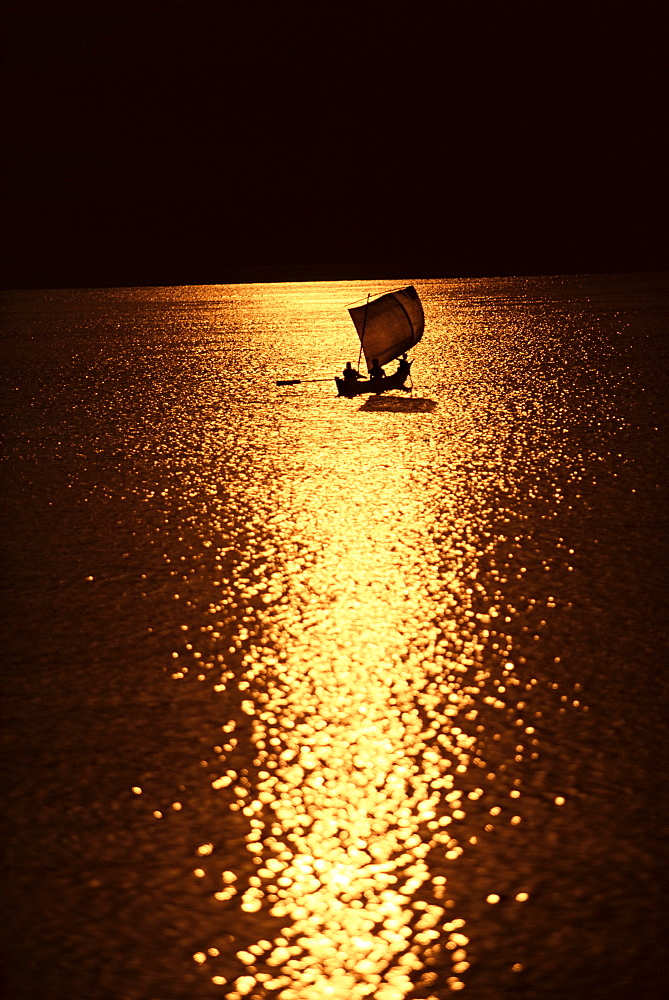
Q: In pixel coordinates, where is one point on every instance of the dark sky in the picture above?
(211, 142)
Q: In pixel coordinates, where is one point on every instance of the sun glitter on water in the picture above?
(354, 697)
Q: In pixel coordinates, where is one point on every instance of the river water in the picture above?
(317, 698)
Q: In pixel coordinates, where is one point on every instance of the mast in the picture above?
(362, 335)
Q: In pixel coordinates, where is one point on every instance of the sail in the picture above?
(390, 325)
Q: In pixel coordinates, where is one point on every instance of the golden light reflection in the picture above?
(354, 697)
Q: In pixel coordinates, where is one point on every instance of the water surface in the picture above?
(311, 697)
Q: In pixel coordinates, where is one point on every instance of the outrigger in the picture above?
(388, 326)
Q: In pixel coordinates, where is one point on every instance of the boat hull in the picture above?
(360, 387)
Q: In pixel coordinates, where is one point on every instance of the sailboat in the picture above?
(388, 326)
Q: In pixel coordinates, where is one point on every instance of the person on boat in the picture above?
(376, 371)
(350, 373)
(404, 366)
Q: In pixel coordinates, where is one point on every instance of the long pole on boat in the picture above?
(299, 381)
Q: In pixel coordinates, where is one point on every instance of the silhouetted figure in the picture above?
(376, 371)
(404, 367)
(350, 373)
